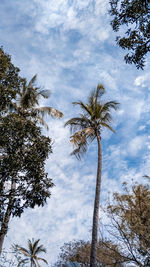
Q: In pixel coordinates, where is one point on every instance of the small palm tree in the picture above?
(28, 103)
(86, 128)
(31, 254)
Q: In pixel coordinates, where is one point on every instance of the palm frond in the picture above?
(95, 95)
(34, 245)
(32, 81)
(80, 140)
(100, 90)
(84, 107)
(44, 93)
(106, 118)
(80, 150)
(23, 251)
(50, 111)
(40, 249)
(105, 125)
(23, 261)
(91, 99)
(41, 259)
(41, 121)
(30, 246)
(78, 123)
(29, 98)
(109, 105)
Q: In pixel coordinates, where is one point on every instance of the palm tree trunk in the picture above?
(96, 205)
(4, 226)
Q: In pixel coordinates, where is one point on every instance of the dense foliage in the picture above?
(130, 224)
(9, 80)
(80, 251)
(23, 149)
(134, 15)
(23, 152)
(23, 181)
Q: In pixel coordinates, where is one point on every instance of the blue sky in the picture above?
(71, 46)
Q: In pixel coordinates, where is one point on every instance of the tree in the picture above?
(23, 181)
(9, 81)
(23, 148)
(86, 128)
(80, 251)
(130, 224)
(31, 254)
(135, 15)
(27, 104)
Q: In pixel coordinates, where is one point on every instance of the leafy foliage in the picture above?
(23, 181)
(9, 81)
(135, 15)
(80, 251)
(130, 223)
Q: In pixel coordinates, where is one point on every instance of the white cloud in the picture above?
(143, 80)
(136, 145)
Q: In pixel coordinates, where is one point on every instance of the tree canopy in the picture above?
(134, 18)
(10, 80)
(23, 148)
(23, 181)
(130, 223)
(79, 250)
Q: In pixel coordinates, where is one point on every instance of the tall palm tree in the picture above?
(31, 254)
(86, 128)
(27, 104)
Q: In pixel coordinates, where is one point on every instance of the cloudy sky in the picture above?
(71, 46)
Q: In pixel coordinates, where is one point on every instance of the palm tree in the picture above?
(85, 129)
(27, 104)
(31, 254)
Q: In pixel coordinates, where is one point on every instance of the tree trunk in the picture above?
(4, 225)
(96, 205)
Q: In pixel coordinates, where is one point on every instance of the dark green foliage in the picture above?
(23, 151)
(135, 15)
(9, 80)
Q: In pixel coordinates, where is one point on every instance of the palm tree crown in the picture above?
(31, 254)
(95, 116)
(28, 103)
